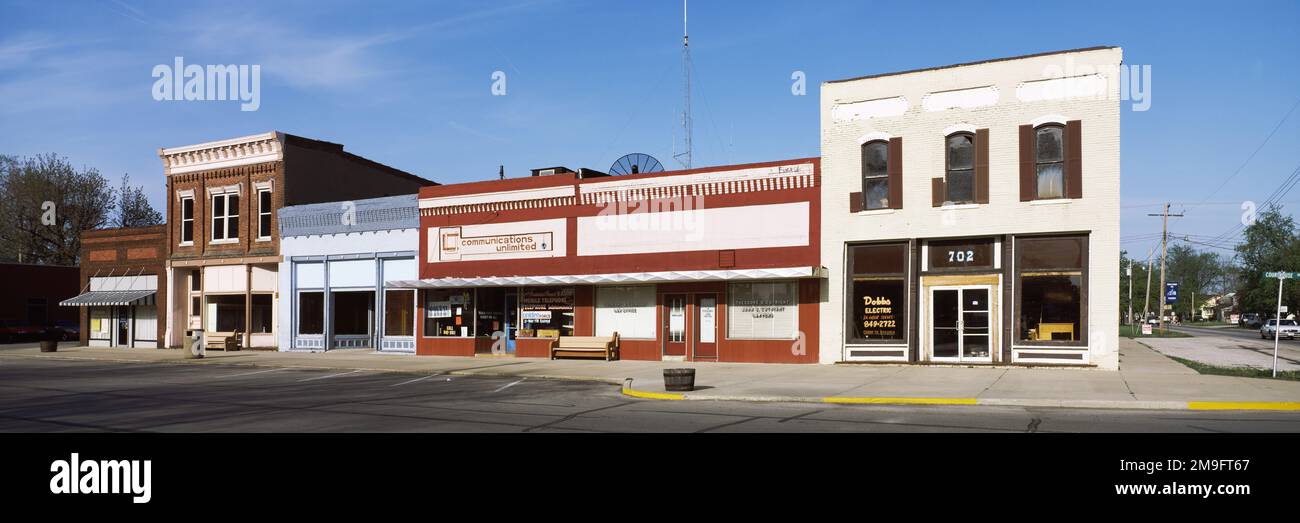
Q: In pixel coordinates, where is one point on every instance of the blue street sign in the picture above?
(1171, 292)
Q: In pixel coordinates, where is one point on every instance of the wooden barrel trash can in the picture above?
(679, 380)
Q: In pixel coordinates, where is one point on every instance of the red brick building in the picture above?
(713, 264)
(30, 301)
(122, 285)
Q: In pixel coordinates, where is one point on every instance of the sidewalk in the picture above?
(1146, 380)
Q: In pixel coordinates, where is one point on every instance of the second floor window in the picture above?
(960, 175)
(264, 214)
(225, 217)
(187, 220)
(875, 175)
(1049, 161)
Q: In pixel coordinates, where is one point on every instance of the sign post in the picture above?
(1277, 325)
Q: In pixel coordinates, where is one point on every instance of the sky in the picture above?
(410, 84)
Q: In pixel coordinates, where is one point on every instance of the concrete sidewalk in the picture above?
(1146, 380)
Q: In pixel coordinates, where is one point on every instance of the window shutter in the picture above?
(1073, 159)
(1028, 187)
(896, 173)
(936, 192)
(982, 166)
(855, 202)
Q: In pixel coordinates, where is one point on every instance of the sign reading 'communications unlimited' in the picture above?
(496, 242)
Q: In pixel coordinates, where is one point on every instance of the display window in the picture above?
(877, 293)
(1051, 278)
(629, 311)
(448, 312)
(763, 310)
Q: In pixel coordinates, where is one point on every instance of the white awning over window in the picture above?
(613, 278)
(98, 298)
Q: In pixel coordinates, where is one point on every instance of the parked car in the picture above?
(1285, 329)
(1251, 320)
(70, 330)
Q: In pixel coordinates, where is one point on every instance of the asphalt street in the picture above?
(66, 395)
(1251, 334)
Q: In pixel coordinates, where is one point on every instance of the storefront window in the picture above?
(262, 312)
(100, 320)
(1051, 274)
(226, 312)
(311, 312)
(878, 293)
(352, 312)
(448, 312)
(629, 311)
(399, 313)
(763, 310)
(546, 312)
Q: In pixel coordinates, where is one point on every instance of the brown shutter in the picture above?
(895, 173)
(1028, 189)
(855, 202)
(982, 166)
(1073, 159)
(936, 192)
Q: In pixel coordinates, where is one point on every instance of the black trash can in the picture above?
(679, 380)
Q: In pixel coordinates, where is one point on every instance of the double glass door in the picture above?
(960, 324)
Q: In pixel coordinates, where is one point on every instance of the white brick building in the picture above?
(970, 213)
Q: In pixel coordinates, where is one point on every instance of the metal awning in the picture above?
(98, 298)
(620, 277)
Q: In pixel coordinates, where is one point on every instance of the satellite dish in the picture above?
(636, 163)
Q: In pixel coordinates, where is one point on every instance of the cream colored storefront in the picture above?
(213, 296)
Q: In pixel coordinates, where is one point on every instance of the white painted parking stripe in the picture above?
(413, 381)
(331, 375)
(508, 385)
(252, 373)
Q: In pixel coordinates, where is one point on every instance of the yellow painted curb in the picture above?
(1243, 405)
(652, 395)
(901, 401)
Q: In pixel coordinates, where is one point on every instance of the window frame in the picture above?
(1017, 275)
(1065, 192)
(947, 168)
(225, 218)
(187, 224)
(850, 277)
(265, 211)
(865, 177)
(730, 294)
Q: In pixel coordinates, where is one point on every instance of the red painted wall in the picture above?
(729, 350)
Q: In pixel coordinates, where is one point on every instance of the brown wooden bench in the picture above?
(227, 341)
(585, 347)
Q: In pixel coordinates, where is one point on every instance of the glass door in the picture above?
(674, 327)
(960, 328)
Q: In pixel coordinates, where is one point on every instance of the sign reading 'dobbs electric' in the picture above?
(495, 241)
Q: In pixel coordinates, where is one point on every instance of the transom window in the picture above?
(1049, 161)
(225, 217)
(960, 179)
(875, 175)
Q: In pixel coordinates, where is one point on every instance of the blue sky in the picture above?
(409, 84)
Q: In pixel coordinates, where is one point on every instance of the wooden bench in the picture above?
(586, 347)
(227, 341)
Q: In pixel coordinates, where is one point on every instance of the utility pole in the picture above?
(1164, 243)
(1129, 319)
(1146, 306)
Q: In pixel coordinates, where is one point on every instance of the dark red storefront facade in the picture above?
(713, 264)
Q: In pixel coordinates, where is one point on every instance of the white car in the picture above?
(1287, 329)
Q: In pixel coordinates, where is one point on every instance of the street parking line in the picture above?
(252, 373)
(508, 385)
(414, 380)
(331, 375)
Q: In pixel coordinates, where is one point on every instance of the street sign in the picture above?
(1146, 329)
(1282, 274)
(1282, 309)
(1171, 292)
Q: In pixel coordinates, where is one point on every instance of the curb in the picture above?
(985, 402)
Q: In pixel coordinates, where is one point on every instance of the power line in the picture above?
(1256, 151)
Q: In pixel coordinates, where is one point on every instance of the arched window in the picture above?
(1049, 160)
(960, 175)
(875, 175)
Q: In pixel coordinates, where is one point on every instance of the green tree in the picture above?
(1270, 244)
(1197, 273)
(47, 203)
(133, 208)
